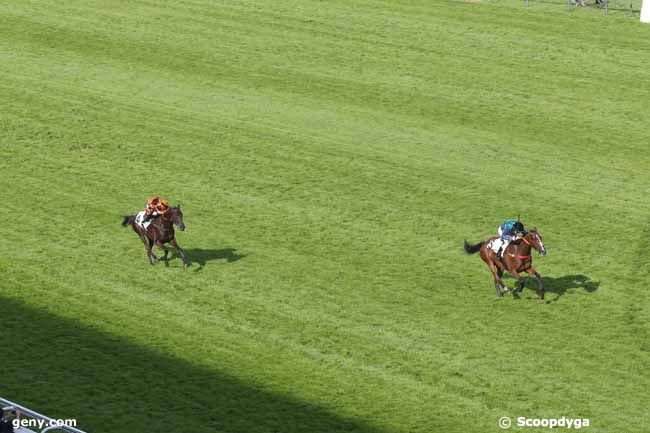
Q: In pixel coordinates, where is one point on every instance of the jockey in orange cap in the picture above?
(156, 206)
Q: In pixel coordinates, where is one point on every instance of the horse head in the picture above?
(534, 239)
(176, 215)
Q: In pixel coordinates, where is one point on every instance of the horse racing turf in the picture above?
(330, 157)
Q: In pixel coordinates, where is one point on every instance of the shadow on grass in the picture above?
(65, 369)
(559, 285)
(200, 257)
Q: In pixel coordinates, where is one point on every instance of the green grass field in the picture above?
(330, 157)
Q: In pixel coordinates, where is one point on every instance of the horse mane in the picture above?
(171, 208)
(167, 217)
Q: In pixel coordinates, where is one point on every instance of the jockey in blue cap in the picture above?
(509, 231)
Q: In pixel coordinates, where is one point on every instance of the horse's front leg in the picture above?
(520, 281)
(513, 269)
(162, 246)
(186, 262)
(540, 285)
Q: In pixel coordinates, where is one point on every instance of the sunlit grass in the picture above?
(330, 158)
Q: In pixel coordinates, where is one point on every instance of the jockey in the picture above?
(155, 207)
(510, 230)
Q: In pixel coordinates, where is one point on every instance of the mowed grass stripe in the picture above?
(578, 78)
(349, 197)
(522, 119)
(605, 181)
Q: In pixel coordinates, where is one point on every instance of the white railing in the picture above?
(49, 424)
(645, 12)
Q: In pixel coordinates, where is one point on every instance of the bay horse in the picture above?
(516, 259)
(159, 232)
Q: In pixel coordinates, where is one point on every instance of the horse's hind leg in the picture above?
(498, 281)
(496, 273)
(498, 289)
(149, 247)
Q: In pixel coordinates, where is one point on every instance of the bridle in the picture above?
(168, 215)
(528, 256)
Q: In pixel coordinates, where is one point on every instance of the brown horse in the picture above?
(516, 259)
(159, 232)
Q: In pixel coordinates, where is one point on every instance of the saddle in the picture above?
(496, 245)
(142, 221)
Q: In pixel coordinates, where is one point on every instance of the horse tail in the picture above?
(472, 249)
(128, 220)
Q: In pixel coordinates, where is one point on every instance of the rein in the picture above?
(525, 257)
(166, 221)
